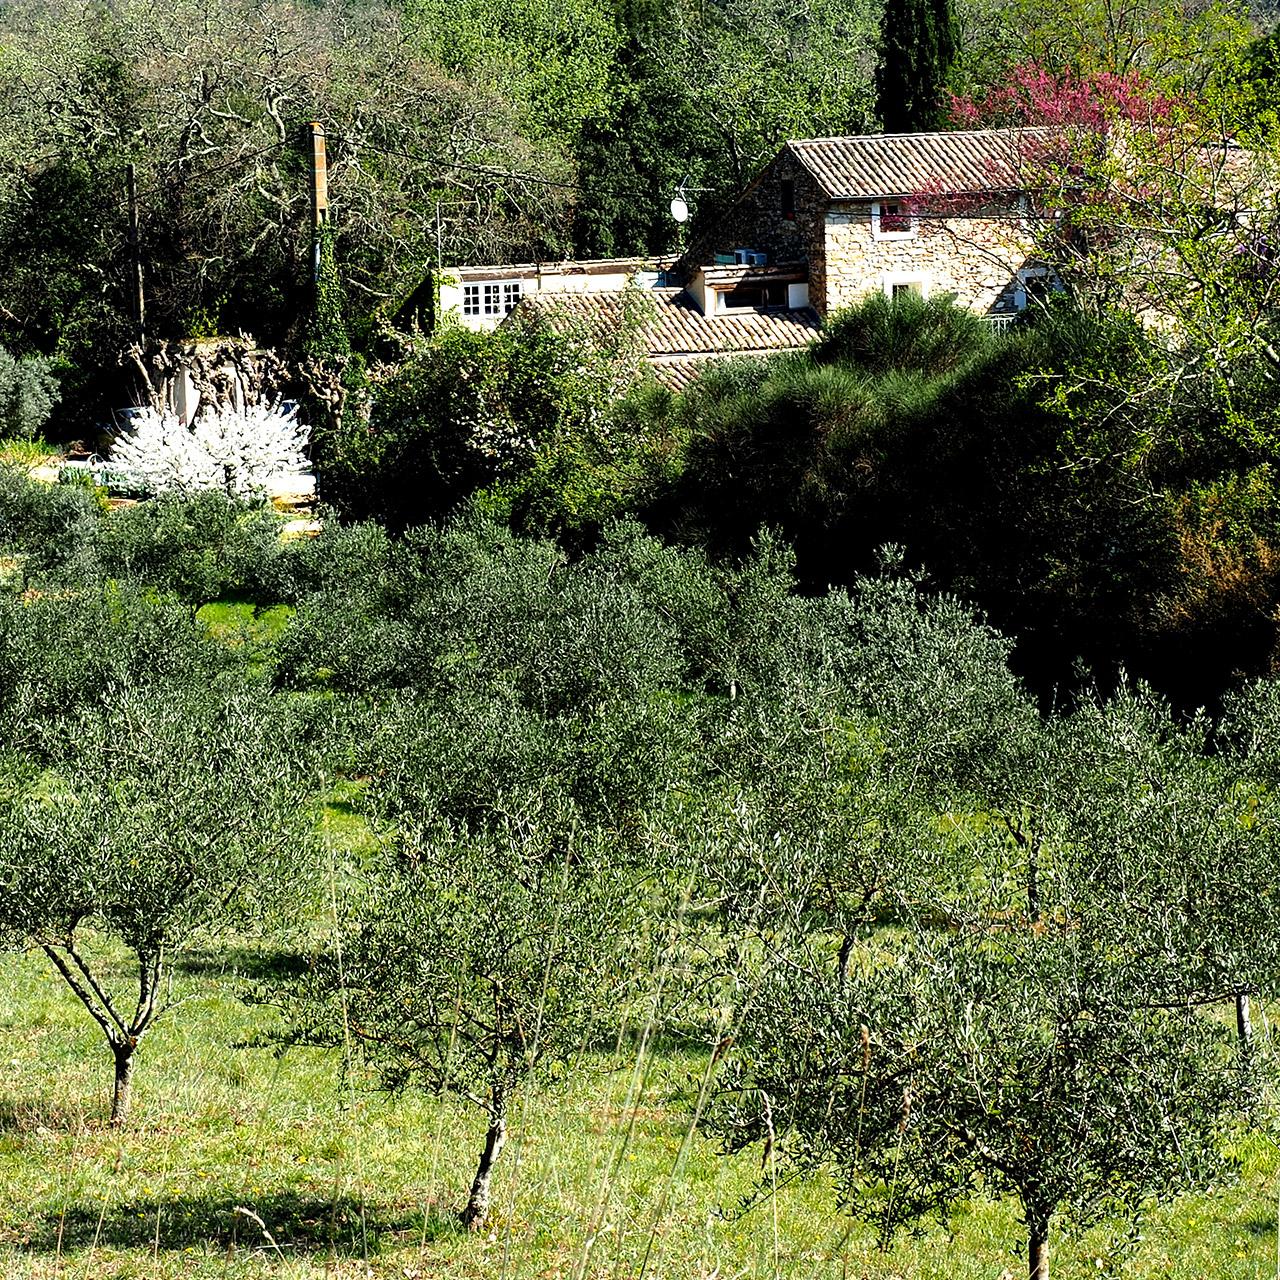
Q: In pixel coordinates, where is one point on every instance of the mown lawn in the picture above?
(241, 1162)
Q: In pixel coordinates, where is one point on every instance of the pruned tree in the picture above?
(1037, 1021)
(822, 820)
(162, 818)
(519, 792)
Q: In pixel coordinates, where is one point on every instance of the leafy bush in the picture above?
(67, 651)
(525, 413)
(201, 547)
(1002, 463)
(932, 337)
(46, 531)
(29, 391)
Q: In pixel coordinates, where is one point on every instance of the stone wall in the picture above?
(973, 253)
(974, 256)
(756, 222)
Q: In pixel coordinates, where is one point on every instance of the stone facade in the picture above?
(974, 257)
(759, 220)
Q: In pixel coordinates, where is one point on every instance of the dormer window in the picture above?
(892, 220)
(755, 296)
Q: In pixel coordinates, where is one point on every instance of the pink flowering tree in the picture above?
(1144, 204)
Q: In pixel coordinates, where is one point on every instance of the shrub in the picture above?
(47, 531)
(525, 413)
(29, 391)
(236, 453)
(200, 547)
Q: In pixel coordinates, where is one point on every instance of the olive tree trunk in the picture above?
(1244, 1018)
(476, 1214)
(1038, 1249)
(122, 1033)
(123, 1090)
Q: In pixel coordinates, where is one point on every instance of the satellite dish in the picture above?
(679, 210)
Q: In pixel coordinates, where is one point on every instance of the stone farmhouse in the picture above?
(831, 220)
(828, 221)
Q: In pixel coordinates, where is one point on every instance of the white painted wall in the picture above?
(554, 278)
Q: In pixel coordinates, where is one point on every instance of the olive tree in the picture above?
(1175, 822)
(498, 935)
(1034, 1027)
(166, 816)
(886, 708)
(532, 720)
(998, 1060)
(483, 964)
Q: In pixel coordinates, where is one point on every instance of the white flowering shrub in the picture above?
(239, 453)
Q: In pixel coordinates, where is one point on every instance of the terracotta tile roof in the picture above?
(900, 164)
(569, 267)
(675, 336)
(678, 373)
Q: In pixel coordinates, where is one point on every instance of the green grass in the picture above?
(27, 453)
(350, 1183)
(251, 630)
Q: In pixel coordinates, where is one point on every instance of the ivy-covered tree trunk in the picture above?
(476, 1214)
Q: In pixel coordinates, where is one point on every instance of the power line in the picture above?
(488, 170)
(939, 215)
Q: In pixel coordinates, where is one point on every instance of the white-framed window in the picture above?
(905, 284)
(490, 299)
(892, 220)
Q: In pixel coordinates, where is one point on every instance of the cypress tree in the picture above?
(919, 41)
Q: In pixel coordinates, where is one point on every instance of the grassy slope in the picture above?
(349, 1183)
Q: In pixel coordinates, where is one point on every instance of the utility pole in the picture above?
(319, 190)
(137, 301)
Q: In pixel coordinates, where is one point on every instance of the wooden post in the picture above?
(319, 191)
(319, 175)
(137, 300)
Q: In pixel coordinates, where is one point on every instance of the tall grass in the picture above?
(245, 1162)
